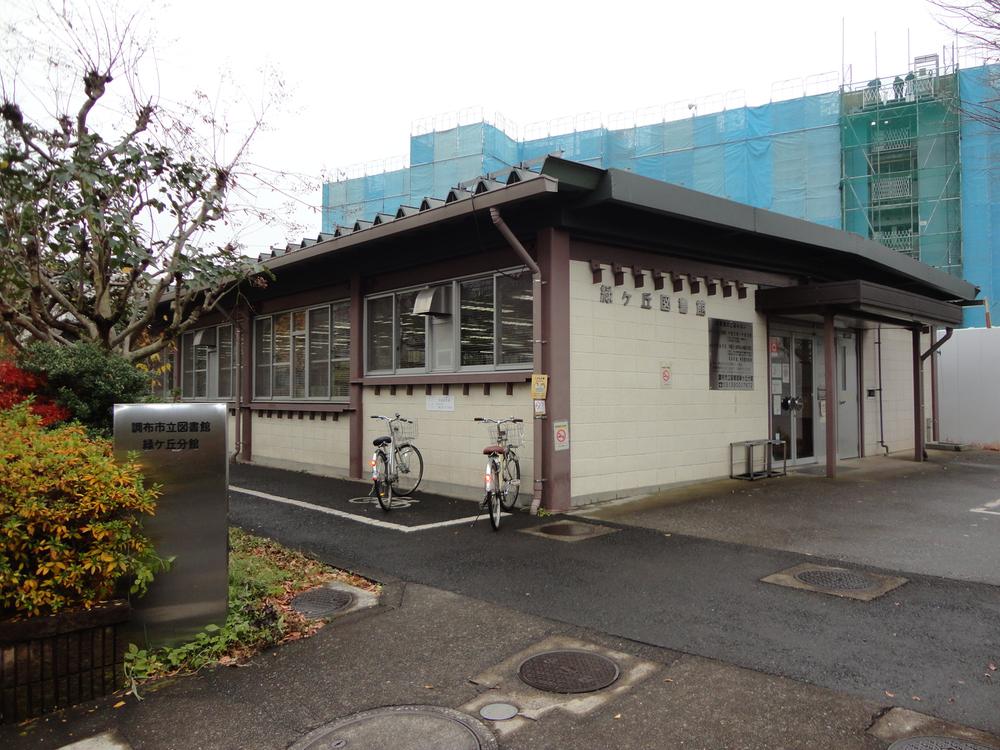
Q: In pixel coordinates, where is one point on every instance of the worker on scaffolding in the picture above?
(897, 88)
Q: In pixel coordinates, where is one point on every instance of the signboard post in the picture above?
(182, 447)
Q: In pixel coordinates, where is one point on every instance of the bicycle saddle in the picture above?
(380, 441)
(490, 449)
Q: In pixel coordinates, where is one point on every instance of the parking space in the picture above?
(349, 500)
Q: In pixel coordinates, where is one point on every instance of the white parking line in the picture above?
(359, 519)
(988, 508)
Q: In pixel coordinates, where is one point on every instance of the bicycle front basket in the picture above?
(403, 432)
(514, 432)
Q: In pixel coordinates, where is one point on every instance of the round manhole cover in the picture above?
(322, 602)
(566, 529)
(935, 743)
(568, 671)
(403, 727)
(837, 580)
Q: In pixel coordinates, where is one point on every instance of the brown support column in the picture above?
(859, 347)
(935, 415)
(553, 258)
(244, 324)
(830, 359)
(356, 391)
(918, 399)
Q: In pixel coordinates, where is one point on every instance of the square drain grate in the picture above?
(842, 582)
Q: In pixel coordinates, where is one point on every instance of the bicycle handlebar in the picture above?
(497, 421)
(396, 418)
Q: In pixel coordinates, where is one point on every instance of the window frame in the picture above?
(293, 332)
(455, 283)
(182, 354)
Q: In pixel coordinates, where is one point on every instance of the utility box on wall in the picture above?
(182, 448)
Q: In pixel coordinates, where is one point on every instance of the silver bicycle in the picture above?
(397, 466)
(502, 476)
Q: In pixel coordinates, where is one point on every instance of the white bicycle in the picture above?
(397, 466)
(502, 476)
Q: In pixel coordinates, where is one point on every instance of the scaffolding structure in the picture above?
(901, 166)
(903, 160)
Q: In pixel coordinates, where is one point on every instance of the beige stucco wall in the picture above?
(629, 433)
(897, 389)
(451, 442)
(315, 445)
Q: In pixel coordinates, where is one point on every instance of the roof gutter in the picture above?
(536, 348)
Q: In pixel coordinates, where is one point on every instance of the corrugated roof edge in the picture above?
(431, 211)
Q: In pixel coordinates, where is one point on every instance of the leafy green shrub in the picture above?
(263, 577)
(86, 380)
(70, 528)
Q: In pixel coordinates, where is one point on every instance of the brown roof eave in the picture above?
(492, 199)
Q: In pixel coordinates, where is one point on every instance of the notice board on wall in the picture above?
(730, 355)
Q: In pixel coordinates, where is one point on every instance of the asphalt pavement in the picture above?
(928, 644)
(715, 656)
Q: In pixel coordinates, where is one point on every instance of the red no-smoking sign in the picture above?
(560, 435)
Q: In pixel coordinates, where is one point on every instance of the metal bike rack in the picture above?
(768, 470)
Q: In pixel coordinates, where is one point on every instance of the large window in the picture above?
(302, 354)
(479, 323)
(207, 362)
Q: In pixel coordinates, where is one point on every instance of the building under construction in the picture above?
(903, 160)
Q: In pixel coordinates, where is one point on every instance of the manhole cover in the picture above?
(322, 602)
(566, 529)
(498, 711)
(405, 727)
(568, 671)
(837, 580)
(935, 743)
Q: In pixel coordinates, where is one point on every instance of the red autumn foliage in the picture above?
(16, 386)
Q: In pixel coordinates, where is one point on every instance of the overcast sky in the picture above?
(357, 75)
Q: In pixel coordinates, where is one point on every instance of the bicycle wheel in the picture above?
(511, 483)
(383, 487)
(493, 503)
(409, 469)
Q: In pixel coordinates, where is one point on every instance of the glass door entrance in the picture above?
(792, 394)
(798, 394)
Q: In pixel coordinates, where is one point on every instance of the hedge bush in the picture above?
(17, 386)
(86, 380)
(70, 518)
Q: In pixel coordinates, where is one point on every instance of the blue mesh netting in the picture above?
(980, 188)
(586, 146)
(783, 156)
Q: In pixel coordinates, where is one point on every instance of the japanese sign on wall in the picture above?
(645, 301)
(730, 355)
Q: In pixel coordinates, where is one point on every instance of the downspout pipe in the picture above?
(881, 410)
(937, 345)
(536, 344)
